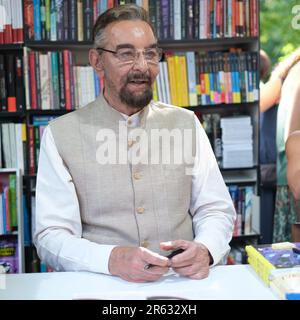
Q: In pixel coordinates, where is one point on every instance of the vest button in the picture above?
(129, 122)
(140, 210)
(145, 244)
(137, 176)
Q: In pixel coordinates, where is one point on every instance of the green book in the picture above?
(13, 200)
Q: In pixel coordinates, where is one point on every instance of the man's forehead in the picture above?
(130, 29)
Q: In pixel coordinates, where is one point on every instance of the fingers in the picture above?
(193, 272)
(129, 264)
(154, 259)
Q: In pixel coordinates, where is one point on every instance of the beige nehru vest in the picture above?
(130, 204)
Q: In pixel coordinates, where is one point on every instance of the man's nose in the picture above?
(140, 62)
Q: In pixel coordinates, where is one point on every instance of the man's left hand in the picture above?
(193, 262)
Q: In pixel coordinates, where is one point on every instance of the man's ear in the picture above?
(96, 61)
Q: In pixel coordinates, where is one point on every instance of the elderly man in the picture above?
(102, 205)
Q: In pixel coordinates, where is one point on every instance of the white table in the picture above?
(224, 282)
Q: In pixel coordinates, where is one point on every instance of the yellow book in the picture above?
(178, 81)
(172, 78)
(184, 91)
(268, 260)
(155, 97)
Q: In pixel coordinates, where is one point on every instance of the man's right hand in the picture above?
(129, 264)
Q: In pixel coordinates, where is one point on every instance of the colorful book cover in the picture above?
(9, 255)
(267, 259)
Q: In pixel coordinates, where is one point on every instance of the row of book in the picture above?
(8, 203)
(35, 133)
(231, 139)
(13, 145)
(237, 142)
(242, 200)
(69, 20)
(11, 22)
(206, 78)
(53, 81)
(12, 97)
(204, 19)
(58, 20)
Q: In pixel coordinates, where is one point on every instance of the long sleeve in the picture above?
(211, 206)
(58, 229)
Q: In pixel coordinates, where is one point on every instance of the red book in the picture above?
(7, 211)
(233, 24)
(31, 151)
(11, 104)
(33, 88)
(1, 36)
(254, 15)
(28, 19)
(67, 80)
(8, 34)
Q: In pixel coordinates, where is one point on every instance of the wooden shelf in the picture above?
(6, 114)
(47, 112)
(216, 108)
(72, 45)
(207, 43)
(13, 46)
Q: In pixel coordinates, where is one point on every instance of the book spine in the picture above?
(38, 79)
(13, 201)
(59, 20)
(2, 13)
(62, 95)
(37, 20)
(67, 80)
(43, 20)
(48, 19)
(3, 90)
(259, 263)
(31, 150)
(152, 14)
(73, 20)
(20, 98)
(11, 83)
(55, 80)
(88, 19)
(66, 19)
(79, 20)
(190, 20)
(53, 25)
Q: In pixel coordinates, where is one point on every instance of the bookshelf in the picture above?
(245, 38)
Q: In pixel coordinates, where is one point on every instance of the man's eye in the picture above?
(128, 54)
(150, 54)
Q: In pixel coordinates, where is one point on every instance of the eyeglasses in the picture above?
(130, 55)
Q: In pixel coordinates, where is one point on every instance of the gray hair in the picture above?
(118, 13)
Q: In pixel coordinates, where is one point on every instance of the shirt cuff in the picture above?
(100, 258)
(217, 254)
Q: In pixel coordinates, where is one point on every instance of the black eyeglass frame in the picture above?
(160, 51)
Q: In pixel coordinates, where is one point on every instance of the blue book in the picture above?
(53, 29)
(97, 84)
(37, 23)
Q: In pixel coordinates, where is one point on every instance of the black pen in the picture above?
(170, 256)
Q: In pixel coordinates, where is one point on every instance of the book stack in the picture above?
(237, 142)
(278, 265)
